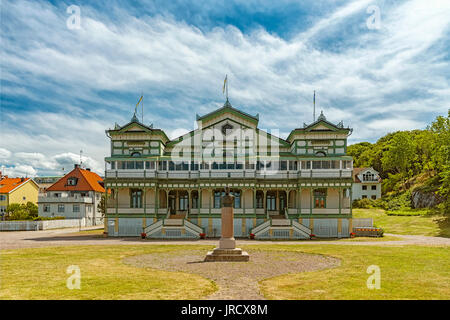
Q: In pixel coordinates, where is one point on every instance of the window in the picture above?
(249, 165)
(217, 198)
(194, 166)
(24, 198)
(374, 197)
(194, 200)
(271, 202)
(292, 165)
(139, 165)
(321, 154)
(130, 165)
(61, 208)
(364, 187)
(46, 208)
(374, 187)
(72, 181)
(283, 165)
(320, 197)
(76, 208)
(150, 165)
(237, 198)
(2, 197)
(204, 166)
(136, 198)
(162, 165)
(259, 199)
(364, 196)
(183, 201)
(135, 154)
(306, 165)
(113, 165)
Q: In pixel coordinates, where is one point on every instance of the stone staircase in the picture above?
(281, 229)
(173, 228)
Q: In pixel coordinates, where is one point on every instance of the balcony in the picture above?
(237, 174)
(75, 199)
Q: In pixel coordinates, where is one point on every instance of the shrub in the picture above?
(363, 203)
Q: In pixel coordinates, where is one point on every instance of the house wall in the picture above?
(358, 192)
(26, 192)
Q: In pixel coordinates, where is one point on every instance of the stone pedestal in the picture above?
(219, 254)
(227, 250)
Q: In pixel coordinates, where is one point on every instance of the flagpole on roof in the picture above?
(314, 106)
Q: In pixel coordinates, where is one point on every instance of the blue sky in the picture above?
(62, 88)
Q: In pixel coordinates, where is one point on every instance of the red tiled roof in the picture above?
(87, 181)
(9, 184)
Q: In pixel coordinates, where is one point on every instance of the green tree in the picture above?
(16, 211)
(399, 155)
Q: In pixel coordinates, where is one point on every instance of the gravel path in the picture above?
(236, 280)
(70, 237)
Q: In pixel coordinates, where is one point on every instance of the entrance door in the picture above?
(172, 204)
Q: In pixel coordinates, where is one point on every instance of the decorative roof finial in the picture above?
(321, 117)
(134, 119)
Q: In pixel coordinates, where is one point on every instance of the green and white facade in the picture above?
(284, 188)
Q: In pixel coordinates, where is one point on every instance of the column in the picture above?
(145, 200)
(156, 199)
(210, 200)
(265, 202)
(310, 200)
(299, 201)
(243, 200)
(340, 196)
(277, 202)
(189, 203)
(199, 200)
(254, 200)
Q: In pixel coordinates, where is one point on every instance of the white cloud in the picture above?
(20, 171)
(384, 75)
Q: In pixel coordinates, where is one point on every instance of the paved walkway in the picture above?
(71, 237)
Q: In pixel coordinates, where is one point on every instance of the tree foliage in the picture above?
(402, 155)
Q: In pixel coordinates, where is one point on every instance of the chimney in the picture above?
(88, 169)
(22, 179)
(76, 166)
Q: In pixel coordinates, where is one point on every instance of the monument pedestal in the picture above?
(227, 250)
(219, 254)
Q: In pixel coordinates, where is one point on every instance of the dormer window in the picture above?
(72, 181)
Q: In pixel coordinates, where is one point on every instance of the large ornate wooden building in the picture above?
(283, 188)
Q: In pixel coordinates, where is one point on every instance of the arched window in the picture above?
(320, 154)
(136, 154)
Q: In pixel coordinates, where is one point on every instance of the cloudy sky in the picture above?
(61, 86)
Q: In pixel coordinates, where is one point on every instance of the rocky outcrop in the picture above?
(421, 199)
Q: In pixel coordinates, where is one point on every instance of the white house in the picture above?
(366, 184)
(77, 195)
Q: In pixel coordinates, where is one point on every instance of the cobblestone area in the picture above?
(236, 280)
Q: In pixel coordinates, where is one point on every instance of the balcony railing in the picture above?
(207, 174)
(50, 199)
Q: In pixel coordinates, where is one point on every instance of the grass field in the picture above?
(41, 274)
(423, 224)
(408, 272)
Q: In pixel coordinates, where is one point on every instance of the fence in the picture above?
(40, 225)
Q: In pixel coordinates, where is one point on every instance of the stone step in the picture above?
(227, 255)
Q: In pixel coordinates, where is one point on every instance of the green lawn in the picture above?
(408, 272)
(423, 224)
(41, 274)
